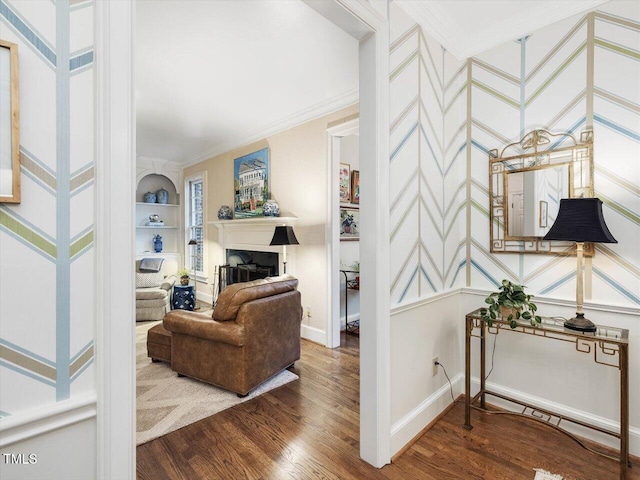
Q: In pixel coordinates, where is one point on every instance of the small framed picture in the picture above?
(544, 214)
(345, 183)
(355, 186)
(349, 223)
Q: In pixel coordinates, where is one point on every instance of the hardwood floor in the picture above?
(308, 429)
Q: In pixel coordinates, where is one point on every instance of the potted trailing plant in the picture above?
(183, 273)
(510, 303)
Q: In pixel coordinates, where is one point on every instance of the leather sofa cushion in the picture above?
(234, 296)
(192, 324)
(150, 293)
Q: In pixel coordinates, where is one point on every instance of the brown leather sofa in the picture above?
(254, 334)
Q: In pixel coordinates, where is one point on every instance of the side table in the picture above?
(183, 297)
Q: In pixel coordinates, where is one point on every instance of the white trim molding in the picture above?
(115, 238)
(39, 421)
(315, 111)
(410, 425)
(312, 333)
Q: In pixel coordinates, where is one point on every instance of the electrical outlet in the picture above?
(434, 363)
(308, 312)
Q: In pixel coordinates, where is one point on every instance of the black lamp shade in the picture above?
(284, 236)
(192, 242)
(580, 220)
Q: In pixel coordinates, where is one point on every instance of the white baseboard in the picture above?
(634, 433)
(405, 429)
(38, 421)
(314, 334)
(352, 318)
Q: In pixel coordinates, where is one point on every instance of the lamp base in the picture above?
(580, 324)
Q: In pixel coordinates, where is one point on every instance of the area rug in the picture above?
(166, 402)
(544, 475)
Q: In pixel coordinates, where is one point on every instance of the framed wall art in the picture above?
(345, 183)
(349, 223)
(355, 186)
(9, 124)
(544, 214)
(251, 183)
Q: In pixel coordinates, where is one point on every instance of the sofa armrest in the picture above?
(168, 282)
(198, 325)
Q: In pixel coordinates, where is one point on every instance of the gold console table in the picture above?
(609, 346)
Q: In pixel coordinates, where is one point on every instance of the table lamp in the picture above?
(284, 236)
(194, 264)
(580, 220)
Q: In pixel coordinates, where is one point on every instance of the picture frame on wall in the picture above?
(251, 183)
(355, 186)
(544, 214)
(344, 180)
(349, 223)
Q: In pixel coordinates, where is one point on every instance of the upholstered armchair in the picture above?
(153, 291)
(253, 335)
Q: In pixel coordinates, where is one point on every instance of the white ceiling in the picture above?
(213, 75)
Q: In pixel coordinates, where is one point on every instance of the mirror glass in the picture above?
(527, 179)
(533, 198)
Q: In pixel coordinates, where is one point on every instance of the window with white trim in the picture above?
(195, 226)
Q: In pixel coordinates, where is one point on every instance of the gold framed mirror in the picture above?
(9, 124)
(527, 179)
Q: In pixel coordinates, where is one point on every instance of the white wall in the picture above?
(47, 331)
(298, 169)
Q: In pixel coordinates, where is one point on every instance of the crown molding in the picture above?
(315, 111)
(436, 21)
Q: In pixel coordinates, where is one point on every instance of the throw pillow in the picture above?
(149, 280)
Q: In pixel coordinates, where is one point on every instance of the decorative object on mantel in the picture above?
(225, 213)
(580, 220)
(162, 196)
(344, 178)
(149, 197)
(183, 273)
(251, 183)
(157, 243)
(284, 235)
(271, 209)
(510, 302)
(194, 266)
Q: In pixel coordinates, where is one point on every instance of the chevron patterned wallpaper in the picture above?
(578, 73)
(428, 144)
(46, 242)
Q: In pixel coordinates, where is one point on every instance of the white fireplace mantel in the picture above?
(252, 234)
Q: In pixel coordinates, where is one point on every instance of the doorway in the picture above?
(115, 147)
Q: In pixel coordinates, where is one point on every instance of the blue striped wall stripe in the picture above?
(426, 277)
(406, 289)
(403, 141)
(484, 273)
(4, 414)
(81, 61)
(461, 266)
(82, 370)
(634, 298)
(28, 33)
(617, 128)
(27, 373)
(433, 154)
(559, 282)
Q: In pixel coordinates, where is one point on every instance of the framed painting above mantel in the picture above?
(251, 183)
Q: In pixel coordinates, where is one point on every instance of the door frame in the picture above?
(334, 134)
(114, 24)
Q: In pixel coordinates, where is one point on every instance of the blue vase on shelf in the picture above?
(149, 197)
(157, 243)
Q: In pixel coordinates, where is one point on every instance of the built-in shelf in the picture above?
(154, 228)
(158, 254)
(147, 204)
